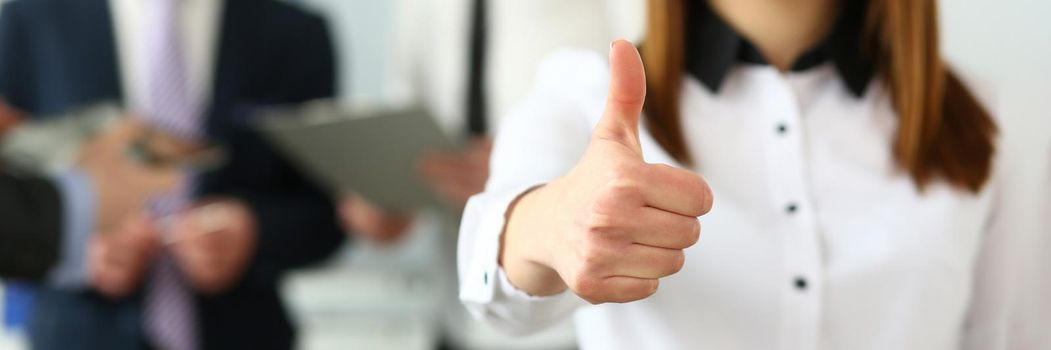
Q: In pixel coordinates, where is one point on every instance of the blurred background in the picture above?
(398, 52)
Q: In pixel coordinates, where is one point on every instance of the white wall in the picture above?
(1009, 41)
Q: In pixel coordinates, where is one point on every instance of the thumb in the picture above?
(627, 94)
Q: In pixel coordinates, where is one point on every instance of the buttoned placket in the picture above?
(790, 205)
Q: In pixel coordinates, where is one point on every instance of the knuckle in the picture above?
(594, 298)
(598, 222)
(622, 171)
(626, 190)
(618, 193)
(591, 235)
(586, 287)
(638, 291)
(625, 98)
(605, 204)
(591, 260)
(598, 231)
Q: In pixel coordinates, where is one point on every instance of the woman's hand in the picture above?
(614, 225)
(364, 219)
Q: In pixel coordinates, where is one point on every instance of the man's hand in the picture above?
(9, 116)
(121, 185)
(614, 225)
(455, 177)
(118, 260)
(213, 244)
(364, 219)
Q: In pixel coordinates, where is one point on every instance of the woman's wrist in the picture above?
(523, 256)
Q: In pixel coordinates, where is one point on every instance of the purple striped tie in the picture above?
(170, 313)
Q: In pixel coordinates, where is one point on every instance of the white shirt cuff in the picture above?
(484, 287)
(480, 232)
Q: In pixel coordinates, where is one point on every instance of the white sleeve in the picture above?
(1010, 297)
(540, 140)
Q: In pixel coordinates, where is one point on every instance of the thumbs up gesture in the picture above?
(614, 225)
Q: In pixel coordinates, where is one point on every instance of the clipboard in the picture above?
(371, 152)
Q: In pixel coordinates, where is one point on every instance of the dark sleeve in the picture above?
(296, 219)
(13, 54)
(30, 227)
(305, 64)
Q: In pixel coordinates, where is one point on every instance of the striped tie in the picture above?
(170, 313)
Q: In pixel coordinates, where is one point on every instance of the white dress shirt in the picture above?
(816, 240)
(198, 22)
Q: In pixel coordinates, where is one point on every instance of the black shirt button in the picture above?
(782, 129)
(791, 208)
(800, 283)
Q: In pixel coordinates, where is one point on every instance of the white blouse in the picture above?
(816, 239)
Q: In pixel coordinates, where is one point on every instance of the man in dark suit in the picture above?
(60, 54)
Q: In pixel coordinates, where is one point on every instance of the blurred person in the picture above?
(466, 61)
(200, 269)
(857, 190)
(34, 209)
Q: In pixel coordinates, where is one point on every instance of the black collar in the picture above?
(712, 47)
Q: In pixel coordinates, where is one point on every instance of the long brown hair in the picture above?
(943, 132)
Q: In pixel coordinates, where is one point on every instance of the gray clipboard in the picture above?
(372, 153)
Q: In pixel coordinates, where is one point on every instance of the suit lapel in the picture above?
(228, 67)
(87, 27)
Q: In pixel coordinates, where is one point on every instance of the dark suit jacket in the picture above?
(30, 226)
(59, 54)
